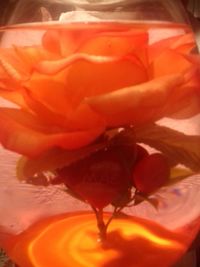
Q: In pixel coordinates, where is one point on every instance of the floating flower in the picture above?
(78, 83)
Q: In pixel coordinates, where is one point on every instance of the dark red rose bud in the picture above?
(98, 179)
(150, 173)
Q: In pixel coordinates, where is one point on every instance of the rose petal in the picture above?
(9, 84)
(14, 97)
(195, 59)
(10, 70)
(66, 41)
(187, 107)
(82, 118)
(74, 39)
(9, 76)
(92, 75)
(27, 119)
(53, 67)
(185, 102)
(12, 64)
(169, 62)
(135, 104)
(15, 135)
(51, 41)
(16, 64)
(85, 79)
(117, 44)
(85, 118)
(182, 43)
(46, 114)
(185, 43)
(70, 40)
(96, 41)
(31, 55)
(51, 93)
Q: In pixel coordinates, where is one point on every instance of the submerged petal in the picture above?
(14, 97)
(85, 79)
(183, 43)
(46, 114)
(13, 65)
(185, 102)
(92, 75)
(66, 41)
(85, 118)
(53, 67)
(82, 118)
(18, 136)
(131, 42)
(187, 107)
(169, 62)
(31, 55)
(51, 93)
(25, 118)
(51, 41)
(136, 104)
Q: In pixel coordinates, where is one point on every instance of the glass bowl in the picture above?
(88, 85)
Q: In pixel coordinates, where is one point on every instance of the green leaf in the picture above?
(53, 159)
(176, 146)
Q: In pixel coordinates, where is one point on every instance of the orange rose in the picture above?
(78, 83)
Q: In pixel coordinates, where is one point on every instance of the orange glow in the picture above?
(71, 240)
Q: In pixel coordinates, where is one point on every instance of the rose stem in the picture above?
(100, 224)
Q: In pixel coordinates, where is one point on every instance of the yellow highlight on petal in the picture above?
(71, 241)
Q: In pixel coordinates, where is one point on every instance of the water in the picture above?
(167, 28)
(102, 58)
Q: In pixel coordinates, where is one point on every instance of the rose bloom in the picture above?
(78, 83)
